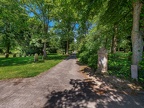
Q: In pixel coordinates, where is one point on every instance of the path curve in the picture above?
(33, 92)
(63, 86)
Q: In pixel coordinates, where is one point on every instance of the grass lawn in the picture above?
(23, 67)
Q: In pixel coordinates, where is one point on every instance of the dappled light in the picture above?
(106, 81)
(84, 95)
(69, 85)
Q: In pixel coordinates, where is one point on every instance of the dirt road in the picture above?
(63, 86)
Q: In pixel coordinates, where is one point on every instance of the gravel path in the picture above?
(63, 86)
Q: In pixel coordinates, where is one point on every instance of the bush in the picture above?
(92, 61)
(119, 65)
(52, 50)
(88, 58)
(1, 51)
(84, 57)
(141, 72)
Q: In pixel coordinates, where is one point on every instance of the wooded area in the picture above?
(61, 26)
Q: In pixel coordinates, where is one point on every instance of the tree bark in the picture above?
(106, 42)
(44, 51)
(114, 40)
(7, 43)
(137, 44)
(67, 48)
(45, 33)
(8, 47)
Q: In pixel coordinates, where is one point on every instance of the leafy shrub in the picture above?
(92, 61)
(1, 51)
(119, 65)
(84, 57)
(52, 50)
(141, 72)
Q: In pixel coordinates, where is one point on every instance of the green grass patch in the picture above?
(23, 67)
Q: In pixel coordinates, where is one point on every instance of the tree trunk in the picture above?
(106, 41)
(8, 44)
(44, 51)
(8, 48)
(137, 45)
(45, 33)
(67, 48)
(114, 40)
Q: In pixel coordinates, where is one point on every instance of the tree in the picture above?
(42, 10)
(137, 42)
(121, 10)
(65, 24)
(11, 15)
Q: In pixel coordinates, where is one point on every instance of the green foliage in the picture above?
(141, 71)
(88, 58)
(119, 65)
(83, 57)
(92, 61)
(88, 52)
(13, 18)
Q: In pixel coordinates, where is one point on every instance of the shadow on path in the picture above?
(97, 91)
(112, 82)
(83, 95)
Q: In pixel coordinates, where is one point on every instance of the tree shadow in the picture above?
(114, 82)
(86, 70)
(15, 61)
(84, 95)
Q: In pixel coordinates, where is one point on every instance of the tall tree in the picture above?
(118, 13)
(114, 39)
(11, 16)
(137, 42)
(42, 10)
(66, 23)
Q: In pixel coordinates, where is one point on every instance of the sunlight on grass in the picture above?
(25, 67)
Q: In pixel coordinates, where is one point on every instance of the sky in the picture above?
(51, 23)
